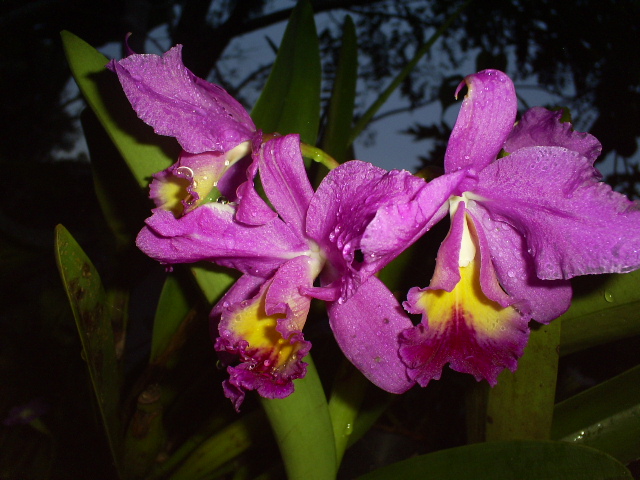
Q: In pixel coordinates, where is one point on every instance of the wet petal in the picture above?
(210, 233)
(166, 95)
(258, 355)
(286, 294)
(543, 300)
(573, 224)
(541, 127)
(285, 180)
(188, 183)
(464, 328)
(363, 217)
(366, 328)
(485, 120)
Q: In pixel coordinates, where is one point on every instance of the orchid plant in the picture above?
(527, 212)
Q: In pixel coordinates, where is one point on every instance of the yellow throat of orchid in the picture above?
(466, 303)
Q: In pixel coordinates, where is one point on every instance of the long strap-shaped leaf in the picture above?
(606, 417)
(522, 460)
(93, 315)
(604, 309)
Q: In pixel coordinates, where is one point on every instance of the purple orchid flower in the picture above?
(531, 214)
(212, 128)
(360, 218)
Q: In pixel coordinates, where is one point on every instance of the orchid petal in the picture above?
(484, 122)
(464, 328)
(286, 295)
(573, 223)
(541, 127)
(285, 180)
(210, 233)
(188, 183)
(543, 300)
(166, 95)
(267, 361)
(366, 328)
(363, 217)
(252, 209)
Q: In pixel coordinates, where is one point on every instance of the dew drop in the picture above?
(348, 429)
(608, 296)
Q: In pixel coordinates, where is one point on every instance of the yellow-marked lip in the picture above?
(463, 326)
(265, 349)
(193, 178)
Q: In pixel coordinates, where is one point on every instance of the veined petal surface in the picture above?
(462, 327)
(166, 95)
(258, 356)
(285, 180)
(573, 223)
(543, 300)
(485, 120)
(362, 217)
(210, 233)
(540, 127)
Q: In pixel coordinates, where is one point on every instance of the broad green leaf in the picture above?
(517, 459)
(145, 152)
(172, 309)
(302, 427)
(290, 101)
(336, 137)
(606, 417)
(521, 405)
(214, 281)
(93, 315)
(604, 309)
(347, 394)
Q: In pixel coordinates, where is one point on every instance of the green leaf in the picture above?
(124, 205)
(173, 307)
(145, 152)
(214, 281)
(604, 309)
(518, 459)
(290, 101)
(347, 394)
(93, 315)
(145, 434)
(606, 417)
(336, 137)
(302, 426)
(521, 405)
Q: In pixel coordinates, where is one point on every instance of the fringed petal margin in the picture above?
(258, 357)
(461, 325)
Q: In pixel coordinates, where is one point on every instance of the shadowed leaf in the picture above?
(524, 460)
(93, 315)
